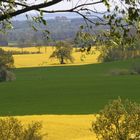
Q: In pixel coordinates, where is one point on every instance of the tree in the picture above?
(6, 62)
(116, 46)
(119, 120)
(63, 52)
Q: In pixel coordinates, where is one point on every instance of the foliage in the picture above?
(12, 129)
(6, 75)
(120, 72)
(63, 52)
(6, 62)
(136, 67)
(84, 40)
(6, 59)
(115, 47)
(119, 120)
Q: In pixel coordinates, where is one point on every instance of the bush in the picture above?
(136, 67)
(119, 120)
(12, 129)
(10, 76)
(6, 59)
(119, 72)
(6, 75)
(6, 62)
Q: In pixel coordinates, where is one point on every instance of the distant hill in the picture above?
(50, 16)
(60, 26)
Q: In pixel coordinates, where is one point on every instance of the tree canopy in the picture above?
(119, 120)
(63, 52)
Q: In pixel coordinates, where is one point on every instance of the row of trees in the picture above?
(119, 48)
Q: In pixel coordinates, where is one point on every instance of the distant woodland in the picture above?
(59, 28)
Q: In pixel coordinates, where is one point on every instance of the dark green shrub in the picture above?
(119, 120)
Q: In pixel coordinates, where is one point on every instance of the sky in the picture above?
(67, 5)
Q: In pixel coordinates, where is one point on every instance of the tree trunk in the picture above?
(62, 61)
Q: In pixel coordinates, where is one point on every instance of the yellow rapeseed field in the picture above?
(38, 60)
(64, 127)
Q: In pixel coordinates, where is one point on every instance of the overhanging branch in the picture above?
(29, 8)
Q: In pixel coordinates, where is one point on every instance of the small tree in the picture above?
(12, 129)
(119, 120)
(6, 62)
(63, 52)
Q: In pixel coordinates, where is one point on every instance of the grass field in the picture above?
(66, 90)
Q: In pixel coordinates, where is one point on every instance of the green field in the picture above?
(67, 90)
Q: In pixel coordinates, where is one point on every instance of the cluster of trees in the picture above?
(22, 33)
(119, 48)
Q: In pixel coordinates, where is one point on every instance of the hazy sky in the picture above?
(68, 5)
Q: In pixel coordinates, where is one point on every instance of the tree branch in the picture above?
(30, 8)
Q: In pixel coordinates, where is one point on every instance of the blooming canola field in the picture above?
(43, 58)
(63, 127)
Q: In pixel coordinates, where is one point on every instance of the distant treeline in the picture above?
(59, 28)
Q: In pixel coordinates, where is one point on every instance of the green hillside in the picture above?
(67, 90)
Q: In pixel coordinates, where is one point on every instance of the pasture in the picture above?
(67, 90)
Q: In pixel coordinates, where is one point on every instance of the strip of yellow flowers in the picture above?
(63, 127)
(42, 59)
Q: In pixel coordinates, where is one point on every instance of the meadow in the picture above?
(66, 90)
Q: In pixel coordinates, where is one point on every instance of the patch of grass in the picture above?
(67, 90)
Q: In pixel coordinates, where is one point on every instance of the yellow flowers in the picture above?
(42, 59)
(64, 127)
